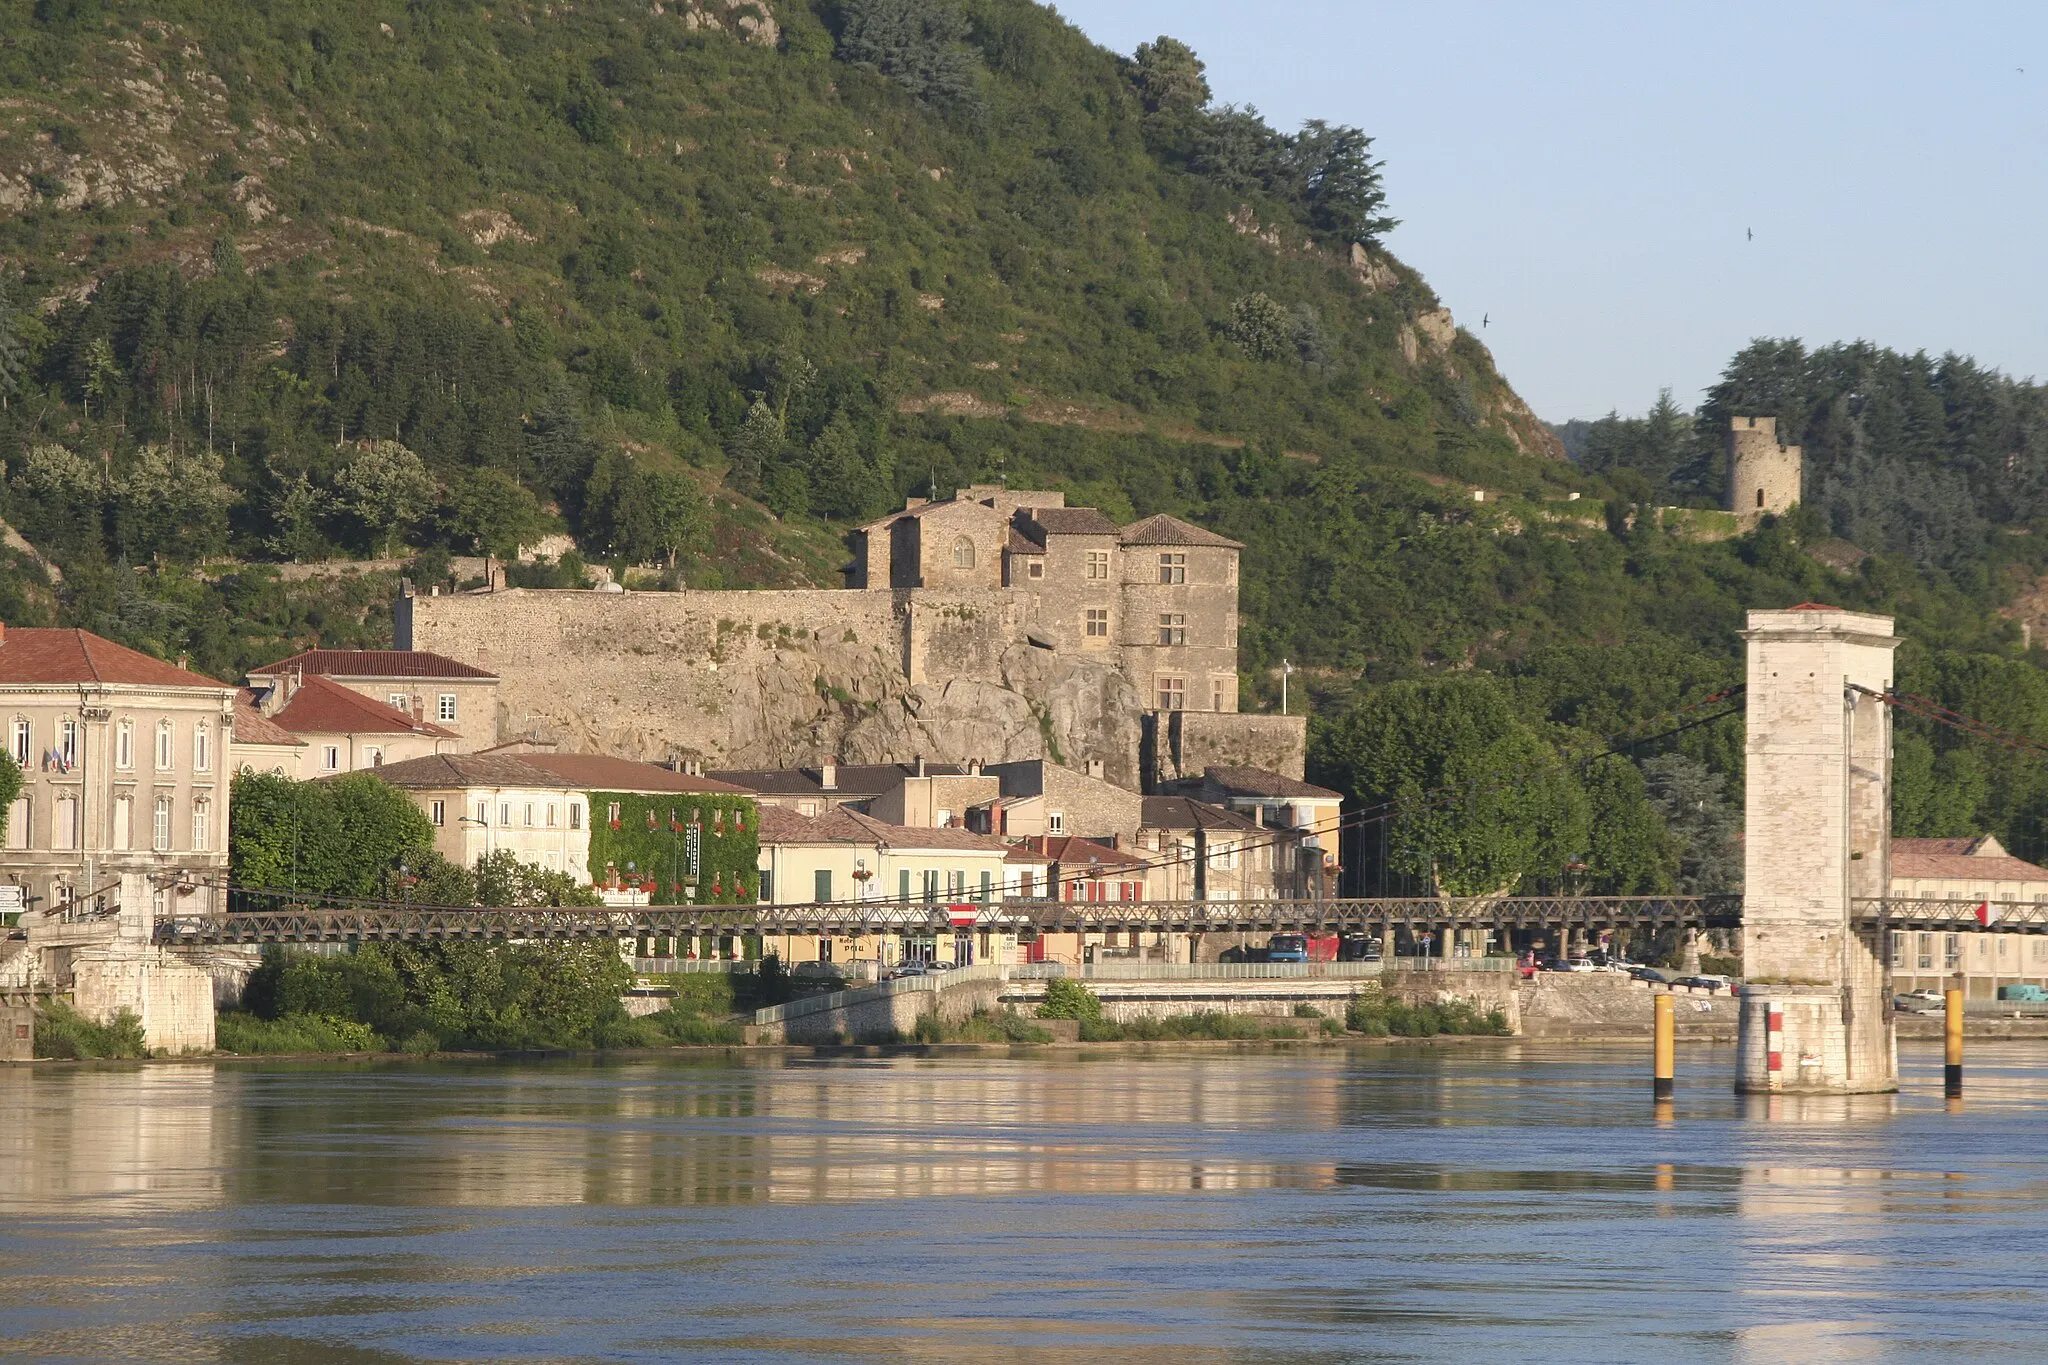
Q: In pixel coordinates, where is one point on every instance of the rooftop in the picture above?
(1070, 521)
(373, 664)
(1165, 530)
(321, 707)
(437, 772)
(1980, 860)
(602, 772)
(1074, 852)
(253, 727)
(1184, 812)
(35, 655)
(1236, 781)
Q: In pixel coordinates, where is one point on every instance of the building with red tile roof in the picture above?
(459, 698)
(126, 767)
(347, 731)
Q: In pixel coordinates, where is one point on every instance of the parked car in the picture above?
(1653, 975)
(2023, 993)
(1924, 997)
(1915, 1002)
(1360, 948)
(1302, 948)
(1583, 964)
(905, 969)
(1712, 985)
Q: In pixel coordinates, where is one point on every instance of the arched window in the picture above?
(963, 553)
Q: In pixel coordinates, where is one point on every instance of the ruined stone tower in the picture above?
(1763, 472)
(1816, 1014)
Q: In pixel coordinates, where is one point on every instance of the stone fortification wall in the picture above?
(766, 679)
(173, 998)
(1185, 743)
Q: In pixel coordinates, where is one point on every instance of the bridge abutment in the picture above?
(1816, 1014)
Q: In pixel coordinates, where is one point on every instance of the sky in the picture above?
(1588, 175)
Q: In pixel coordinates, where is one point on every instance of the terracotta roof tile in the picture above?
(1071, 521)
(1165, 530)
(35, 655)
(439, 771)
(1954, 860)
(321, 707)
(1259, 782)
(253, 727)
(373, 663)
(602, 772)
(1184, 812)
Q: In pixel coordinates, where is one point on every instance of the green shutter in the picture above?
(903, 886)
(822, 892)
(987, 881)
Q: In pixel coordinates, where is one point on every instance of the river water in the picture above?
(1482, 1202)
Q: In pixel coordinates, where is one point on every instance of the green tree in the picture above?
(494, 512)
(1169, 77)
(295, 512)
(754, 446)
(389, 488)
(1628, 851)
(339, 836)
(1705, 827)
(102, 373)
(918, 44)
(1260, 327)
(1480, 802)
(847, 483)
(13, 356)
(674, 511)
(1336, 180)
(10, 788)
(505, 879)
(173, 504)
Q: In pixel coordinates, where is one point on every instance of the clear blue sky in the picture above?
(1586, 173)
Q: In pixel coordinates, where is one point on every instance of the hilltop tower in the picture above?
(1763, 472)
(1816, 1014)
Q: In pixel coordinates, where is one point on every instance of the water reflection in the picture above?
(1312, 1205)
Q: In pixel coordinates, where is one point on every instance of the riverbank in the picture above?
(1912, 1029)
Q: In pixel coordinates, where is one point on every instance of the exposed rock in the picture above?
(1437, 327)
(1372, 273)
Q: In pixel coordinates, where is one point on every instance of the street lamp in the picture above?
(1286, 672)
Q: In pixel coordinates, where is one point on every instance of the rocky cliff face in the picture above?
(774, 679)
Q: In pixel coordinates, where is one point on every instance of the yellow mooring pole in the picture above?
(1664, 1058)
(1952, 1059)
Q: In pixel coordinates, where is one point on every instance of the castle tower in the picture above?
(1763, 472)
(1816, 1015)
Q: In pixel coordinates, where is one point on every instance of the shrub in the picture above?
(243, 1032)
(1206, 1024)
(62, 1031)
(983, 1026)
(420, 1043)
(1066, 998)
(1378, 1017)
(693, 1030)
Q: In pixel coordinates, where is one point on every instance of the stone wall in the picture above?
(1123, 1001)
(173, 998)
(876, 1014)
(1185, 743)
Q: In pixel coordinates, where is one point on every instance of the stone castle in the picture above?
(996, 625)
(1763, 472)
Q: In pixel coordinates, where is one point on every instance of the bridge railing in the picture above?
(1954, 916)
(1253, 971)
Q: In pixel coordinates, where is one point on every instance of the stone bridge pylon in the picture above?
(1816, 1012)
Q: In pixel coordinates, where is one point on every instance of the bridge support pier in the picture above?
(1816, 1015)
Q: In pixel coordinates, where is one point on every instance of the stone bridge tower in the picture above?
(1763, 472)
(1816, 1014)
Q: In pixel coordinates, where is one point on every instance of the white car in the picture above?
(1583, 964)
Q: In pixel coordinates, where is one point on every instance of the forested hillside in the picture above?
(703, 284)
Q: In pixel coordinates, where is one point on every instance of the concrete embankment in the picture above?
(1592, 1005)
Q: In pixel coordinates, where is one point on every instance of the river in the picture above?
(1493, 1201)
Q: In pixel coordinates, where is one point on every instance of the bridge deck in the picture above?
(367, 923)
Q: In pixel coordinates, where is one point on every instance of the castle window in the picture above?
(1173, 628)
(1173, 694)
(1173, 568)
(1096, 626)
(963, 553)
(1217, 693)
(1098, 564)
(1037, 569)
(1759, 497)
(447, 711)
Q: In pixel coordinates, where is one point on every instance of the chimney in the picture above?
(974, 767)
(1095, 768)
(828, 775)
(183, 658)
(920, 765)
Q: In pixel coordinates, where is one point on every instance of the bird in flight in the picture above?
(1484, 318)
(1750, 233)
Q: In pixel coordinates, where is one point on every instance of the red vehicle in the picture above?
(1302, 948)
